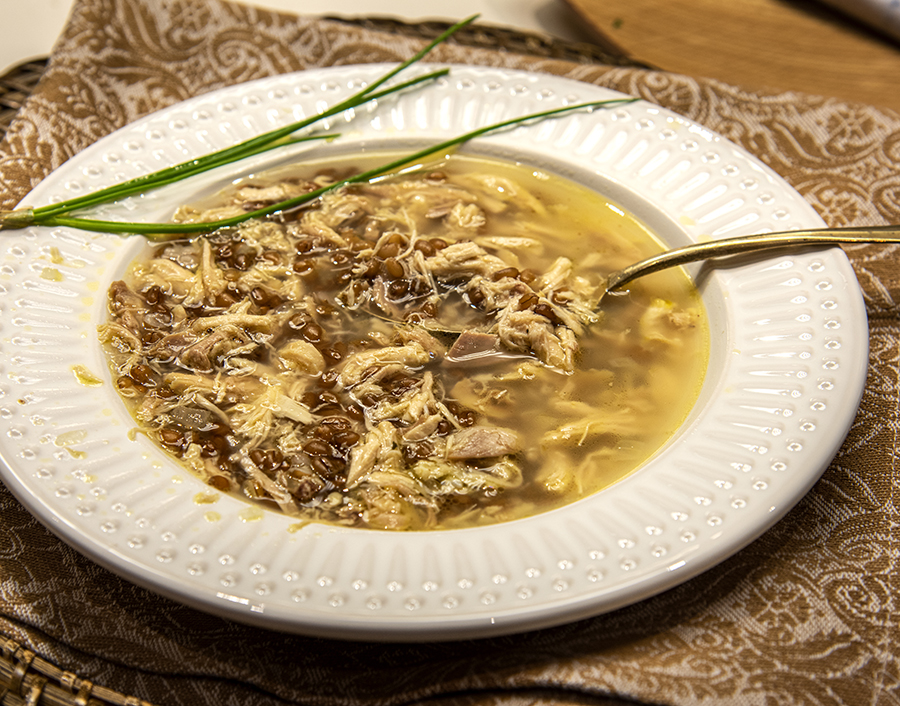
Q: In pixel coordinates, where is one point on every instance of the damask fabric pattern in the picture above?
(807, 614)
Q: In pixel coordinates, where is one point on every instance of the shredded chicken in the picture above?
(260, 355)
(482, 442)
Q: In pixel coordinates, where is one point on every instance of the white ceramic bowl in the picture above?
(787, 368)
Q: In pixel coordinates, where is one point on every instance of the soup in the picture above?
(424, 351)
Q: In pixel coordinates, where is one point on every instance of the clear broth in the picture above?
(637, 372)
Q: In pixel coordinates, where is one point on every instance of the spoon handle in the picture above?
(752, 243)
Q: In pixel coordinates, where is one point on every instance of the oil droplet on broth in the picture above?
(250, 514)
(66, 439)
(86, 377)
(70, 437)
(212, 516)
(52, 274)
(206, 498)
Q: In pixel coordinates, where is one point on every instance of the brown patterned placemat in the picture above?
(806, 614)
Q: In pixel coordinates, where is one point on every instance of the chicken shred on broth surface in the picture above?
(262, 356)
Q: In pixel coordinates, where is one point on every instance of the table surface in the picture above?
(802, 45)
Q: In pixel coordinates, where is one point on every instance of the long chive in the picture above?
(153, 230)
(235, 153)
(39, 216)
(171, 179)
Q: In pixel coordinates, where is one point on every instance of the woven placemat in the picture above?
(15, 86)
(28, 680)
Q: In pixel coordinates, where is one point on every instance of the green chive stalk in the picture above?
(168, 231)
(23, 218)
(279, 137)
(61, 214)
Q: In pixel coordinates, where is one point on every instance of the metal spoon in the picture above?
(751, 243)
(725, 247)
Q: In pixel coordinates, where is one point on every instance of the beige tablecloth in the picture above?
(806, 615)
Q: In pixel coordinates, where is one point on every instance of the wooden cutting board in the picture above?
(790, 45)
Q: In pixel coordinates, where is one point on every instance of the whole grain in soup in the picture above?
(302, 361)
